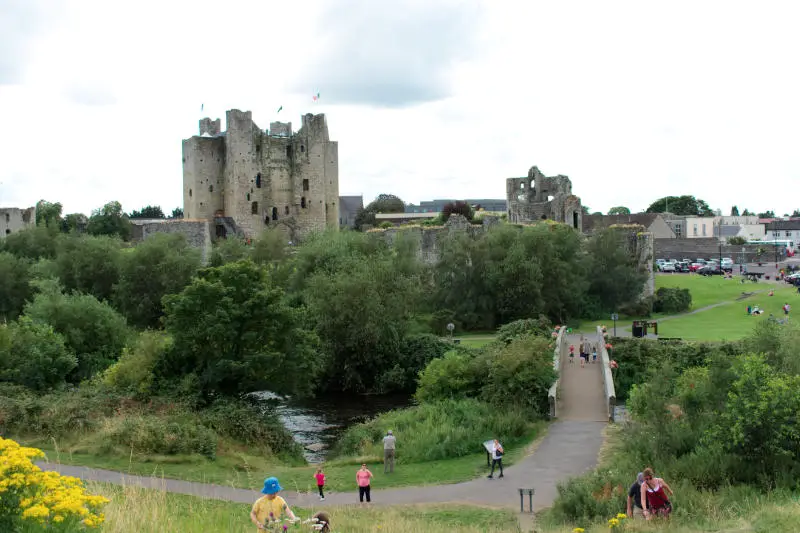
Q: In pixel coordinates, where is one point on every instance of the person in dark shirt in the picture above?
(635, 498)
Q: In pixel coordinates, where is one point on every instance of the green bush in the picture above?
(435, 431)
(459, 374)
(254, 424)
(134, 372)
(416, 351)
(527, 326)
(149, 434)
(34, 355)
(672, 300)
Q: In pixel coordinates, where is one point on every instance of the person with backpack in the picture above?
(497, 458)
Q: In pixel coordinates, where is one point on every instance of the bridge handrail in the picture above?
(608, 378)
(558, 350)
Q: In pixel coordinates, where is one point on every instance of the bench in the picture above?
(522, 493)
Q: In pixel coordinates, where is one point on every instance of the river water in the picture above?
(317, 423)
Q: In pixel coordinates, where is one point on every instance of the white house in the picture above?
(785, 230)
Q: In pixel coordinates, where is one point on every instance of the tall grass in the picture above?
(436, 431)
(154, 511)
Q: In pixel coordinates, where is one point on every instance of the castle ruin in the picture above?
(539, 197)
(245, 179)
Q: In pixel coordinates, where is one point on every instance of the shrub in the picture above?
(457, 208)
(133, 373)
(148, 434)
(254, 424)
(42, 501)
(528, 326)
(435, 431)
(672, 300)
(456, 375)
(34, 355)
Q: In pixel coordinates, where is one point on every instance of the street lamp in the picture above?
(615, 317)
(450, 328)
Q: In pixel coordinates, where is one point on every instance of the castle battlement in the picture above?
(262, 178)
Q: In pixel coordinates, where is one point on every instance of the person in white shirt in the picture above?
(388, 452)
(497, 458)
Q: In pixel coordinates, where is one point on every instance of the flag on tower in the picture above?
(201, 107)
(315, 97)
(279, 109)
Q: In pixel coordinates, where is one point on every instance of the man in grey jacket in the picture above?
(388, 452)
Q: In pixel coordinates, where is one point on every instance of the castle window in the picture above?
(258, 180)
(8, 232)
(190, 193)
(305, 185)
(303, 202)
(286, 209)
(254, 208)
(210, 188)
(274, 213)
(289, 151)
(521, 185)
(248, 197)
(302, 148)
(8, 217)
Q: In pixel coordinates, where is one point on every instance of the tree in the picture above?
(747, 213)
(177, 213)
(150, 211)
(110, 220)
(74, 223)
(88, 264)
(795, 213)
(737, 240)
(585, 209)
(622, 280)
(34, 243)
(233, 334)
(48, 214)
(681, 205)
(619, 210)
(15, 287)
(163, 264)
(384, 203)
(459, 207)
(734, 211)
(92, 330)
(270, 247)
(34, 355)
(767, 214)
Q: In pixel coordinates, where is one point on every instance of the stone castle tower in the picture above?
(246, 179)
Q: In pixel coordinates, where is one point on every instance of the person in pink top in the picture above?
(320, 477)
(363, 476)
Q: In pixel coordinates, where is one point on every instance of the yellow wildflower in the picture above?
(578, 530)
(622, 516)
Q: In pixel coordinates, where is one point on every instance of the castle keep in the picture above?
(245, 179)
(539, 197)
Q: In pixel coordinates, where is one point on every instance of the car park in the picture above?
(710, 270)
(668, 267)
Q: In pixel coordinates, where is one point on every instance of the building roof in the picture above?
(351, 203)
(729, 230)
(791, 224)
(592, 222)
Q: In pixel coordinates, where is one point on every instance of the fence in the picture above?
(608, 378)
(558, 351)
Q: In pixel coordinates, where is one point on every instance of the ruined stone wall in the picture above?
(241, 171)
(14, 219)
(203, 176)
(197, 232)
(537, 197)
(211, 127)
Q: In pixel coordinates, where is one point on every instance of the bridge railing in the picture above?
(558, 351)
(608, 379)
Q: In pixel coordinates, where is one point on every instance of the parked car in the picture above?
(710, 270)
(681, 267)
(701, 260)
(668, 267)
(694, 267)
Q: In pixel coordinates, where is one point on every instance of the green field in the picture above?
(153, 511)
(475, 340)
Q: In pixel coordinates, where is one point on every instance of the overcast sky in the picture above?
(633, 100)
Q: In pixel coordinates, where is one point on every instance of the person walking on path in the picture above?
(635, 509)
(497, 458)
(320, 477)
(389, 443)
(270, 507)
(363, 476)
(654, 495)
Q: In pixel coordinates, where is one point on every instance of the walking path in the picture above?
(570, 447)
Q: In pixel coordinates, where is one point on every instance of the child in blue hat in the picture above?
(270, 507)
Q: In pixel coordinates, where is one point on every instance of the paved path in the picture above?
(569, 448)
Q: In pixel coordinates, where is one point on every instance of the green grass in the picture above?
(249, 472)
(475, 340)
(155, 511)
(729, 321)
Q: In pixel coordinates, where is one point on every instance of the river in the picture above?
(317, 423)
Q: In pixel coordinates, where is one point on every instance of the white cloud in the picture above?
(631, 99)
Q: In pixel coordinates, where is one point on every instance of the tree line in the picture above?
(344, 311)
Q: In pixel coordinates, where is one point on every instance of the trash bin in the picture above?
(637, 331)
